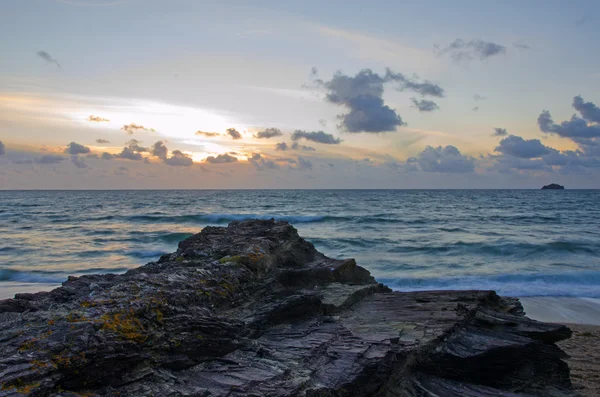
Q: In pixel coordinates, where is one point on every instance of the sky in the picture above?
(150, 94)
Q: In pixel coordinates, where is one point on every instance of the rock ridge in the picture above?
(252, 309)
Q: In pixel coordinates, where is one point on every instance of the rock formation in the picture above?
(252, 309)
(553, 186)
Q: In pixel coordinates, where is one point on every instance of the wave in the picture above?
(501, 249)
(223, 218)
(580, 284)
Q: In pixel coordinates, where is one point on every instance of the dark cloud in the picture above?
(424, 105)
(159, 150)
(500, 132)
(179, 159)
(47, 57)
(478, 97)
(461, 50)
(588, 110)
(521, 46)
(425, 88)
(516, 146)
(323, 122)
(261, 163)
(507, 163)
(297, 146)
(133, 144)
(132, 128)
(476, 109)
(75, 148)
(208, 134)
(2, 149)
(286, 160)
(268, 133)
(281, 146)
(304, 164)
(442, 159)
(576, 127)
(221, 158)
(106, 156)
(97, 119)
(129, 154)
(121, 171)
(102, 141)
(316, 136)
(49, 159)
(362, 96)
(78, 161)
(234, 134)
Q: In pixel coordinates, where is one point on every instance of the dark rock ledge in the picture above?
(252, 309)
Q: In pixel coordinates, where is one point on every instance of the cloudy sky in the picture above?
(135, 94)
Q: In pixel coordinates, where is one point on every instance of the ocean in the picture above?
(517, 242)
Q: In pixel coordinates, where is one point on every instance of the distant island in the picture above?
(553, 186)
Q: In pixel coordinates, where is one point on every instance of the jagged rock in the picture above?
(254, 310)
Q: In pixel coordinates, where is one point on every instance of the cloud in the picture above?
(522, 148)
(476, 109)
(74, 148)
(208, 134)
(521, 46)
(262, 163)
(78, 161)
(500, 132)
(281, 146)
(297, 146)
(133, 144)
(424, 105)
(49, 159)
(316, 136)
(323, 122)
(268, 133)
(588, 110)
(97, 119)
(179, 159)
(106, 156)
(2, 149)
(129, 154)
(362, 96)
(102, 141)
(221, 158)
(234, 134)
(442, 159)
(132, 151)
(304, 164)
(132, 128)
(478, 97)
(47, 57)
(159, 150)
(461, 50)
(576, 127)
(581, 21)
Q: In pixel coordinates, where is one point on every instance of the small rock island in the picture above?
(553, 186)
(253, 309)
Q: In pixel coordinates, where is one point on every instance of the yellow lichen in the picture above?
(125, 324)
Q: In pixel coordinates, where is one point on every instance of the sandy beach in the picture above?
(582, 315)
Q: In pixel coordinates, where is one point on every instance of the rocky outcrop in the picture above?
(553, 186)
(252, 309)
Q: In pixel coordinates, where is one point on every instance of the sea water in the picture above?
(517, 242)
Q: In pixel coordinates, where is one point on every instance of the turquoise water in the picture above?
(518, 242)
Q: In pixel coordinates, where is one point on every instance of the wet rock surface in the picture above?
(252, 309)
